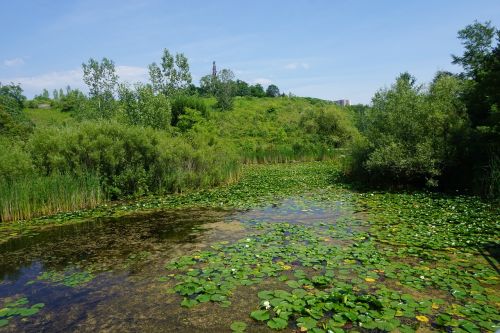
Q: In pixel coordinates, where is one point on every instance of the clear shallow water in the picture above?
(103, 275)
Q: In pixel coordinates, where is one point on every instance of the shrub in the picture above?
(411, 133)
(142, 107)
(181, 102)
(15, 162)
(130, 160)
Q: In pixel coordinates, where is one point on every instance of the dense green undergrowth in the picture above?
(130, 158)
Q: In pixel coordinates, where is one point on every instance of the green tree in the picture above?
(13, 121)
(272, 91)
(481, 64)
(257, 90)
(411, 132)
(242, 88)
(143, 107)
(225, 89)
(208, 85)
(11, 97)
(102, 80)
(173, 76)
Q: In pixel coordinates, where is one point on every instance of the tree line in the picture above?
(444, 134)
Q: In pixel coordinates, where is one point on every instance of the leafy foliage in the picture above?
(411, 133)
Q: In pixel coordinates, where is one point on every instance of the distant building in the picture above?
(343, 102)
(43, 106)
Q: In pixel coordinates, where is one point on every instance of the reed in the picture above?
(29, 197)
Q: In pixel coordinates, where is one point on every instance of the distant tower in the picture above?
(214, 70)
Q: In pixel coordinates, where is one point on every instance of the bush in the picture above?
(181, 103)
(16, 163)
(142, 107)
(411, 133)
(330, 125)
(130, 160)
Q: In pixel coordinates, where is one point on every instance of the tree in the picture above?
(144, 108)
(477, 39)
(208, 85)
(257, 90)
(13, 121)
(242, 88)
(478, 60)
(411, 133)
(11, 96)
(225, 89)
(481, 64)
(101, 78)
(55, 94)
(173, 76)
(272, 91)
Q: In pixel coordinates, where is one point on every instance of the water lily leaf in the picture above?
(203, 298)
(306, 323)
(188, 303)
(277, 323)
(265, 294)
(469, 327)
(260, 315)
(238, 326)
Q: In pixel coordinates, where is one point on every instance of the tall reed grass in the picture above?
(29, 197)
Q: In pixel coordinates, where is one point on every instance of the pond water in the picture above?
(104, 274)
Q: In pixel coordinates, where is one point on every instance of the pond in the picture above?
(104, 274)
(309, 262)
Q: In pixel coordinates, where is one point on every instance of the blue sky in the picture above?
(326, 49)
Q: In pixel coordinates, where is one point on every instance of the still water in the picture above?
(105, 274)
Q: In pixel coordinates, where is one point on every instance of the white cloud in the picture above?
(54, 80)
(262, 81)
(297, 65)
(13, 62)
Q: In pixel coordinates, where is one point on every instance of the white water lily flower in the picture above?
(249, 240)
(233, 270)
(422, 277)
(267, 305)
(247, 245)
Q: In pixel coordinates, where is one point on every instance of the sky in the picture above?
(326, 49)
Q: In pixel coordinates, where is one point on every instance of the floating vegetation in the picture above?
(68, 278)
(338, 276)
(18, 308)
(308, 255)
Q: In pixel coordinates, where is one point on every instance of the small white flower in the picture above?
(249, 240)
(233, 270)
(247, 245)
(267, 305)
(422, 277)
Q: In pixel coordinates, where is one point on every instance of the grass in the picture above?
(27, 198)
(48, 117)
